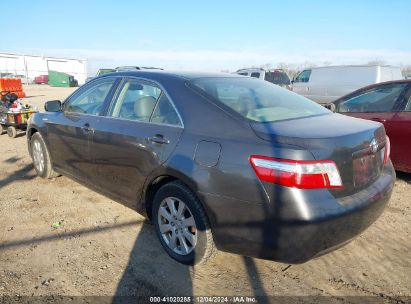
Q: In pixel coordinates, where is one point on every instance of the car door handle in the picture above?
(86, 128)
(382, 120)
(158, 139)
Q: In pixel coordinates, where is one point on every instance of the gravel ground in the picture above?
(59, 238)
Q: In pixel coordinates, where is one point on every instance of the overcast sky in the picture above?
(210, 35)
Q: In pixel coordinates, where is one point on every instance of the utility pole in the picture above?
(25, 69)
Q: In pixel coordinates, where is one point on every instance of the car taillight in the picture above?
(387, 150)
(303, 174)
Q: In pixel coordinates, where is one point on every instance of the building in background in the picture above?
(27, 67)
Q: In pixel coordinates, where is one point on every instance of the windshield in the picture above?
(105, 71)
(258, 100)
(277, 78)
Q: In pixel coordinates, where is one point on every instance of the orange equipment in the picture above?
(12, 85)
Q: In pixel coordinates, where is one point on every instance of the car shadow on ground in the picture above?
(406, 177)
(12, 160)
(151, 273)
(21, 134)
(32, 96)
(63, 235)
(18, 175)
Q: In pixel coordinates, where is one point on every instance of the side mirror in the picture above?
(52, 106)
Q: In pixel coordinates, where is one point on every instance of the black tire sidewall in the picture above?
(182, 193)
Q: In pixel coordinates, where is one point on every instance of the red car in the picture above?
(42, 79)
(390, 104)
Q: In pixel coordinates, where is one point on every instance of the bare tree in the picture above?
(283, 66)
(406, 71)
(266, 66)
(309, 64)
(377, 61)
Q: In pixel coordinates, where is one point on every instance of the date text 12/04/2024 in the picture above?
(204, 299)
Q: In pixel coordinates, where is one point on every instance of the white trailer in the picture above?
(28, 67)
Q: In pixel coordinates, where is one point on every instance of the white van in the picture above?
(326, 84)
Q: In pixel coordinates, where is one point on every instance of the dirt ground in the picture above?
(99, 247)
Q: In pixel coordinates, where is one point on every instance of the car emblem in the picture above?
(374, 145)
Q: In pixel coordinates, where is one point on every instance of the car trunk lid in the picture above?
(357, 146)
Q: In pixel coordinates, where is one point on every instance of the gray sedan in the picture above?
(219, 161)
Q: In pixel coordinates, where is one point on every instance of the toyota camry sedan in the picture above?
(219, 161)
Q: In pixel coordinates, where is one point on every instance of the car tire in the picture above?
(12, 132)
(41, 157)
(173, 238)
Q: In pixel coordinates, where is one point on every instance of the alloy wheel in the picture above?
(177, 225)
(38, 156)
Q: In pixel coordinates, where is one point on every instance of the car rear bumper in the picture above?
(295, 225)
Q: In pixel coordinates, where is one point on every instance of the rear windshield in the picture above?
(105, 71)
(277, 78)
(258, 100)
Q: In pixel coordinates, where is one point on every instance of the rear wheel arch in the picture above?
(152, 189)
(172, 227)
(155, 185)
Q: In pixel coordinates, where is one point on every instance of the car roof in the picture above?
(156, 74)
(251, 69)
(374, 85)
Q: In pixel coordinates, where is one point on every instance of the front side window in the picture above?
(304, 76)
(136, 101)
(259, 101)
(408, 105)
(90, 98)
(255, 75)
(379, 99)
(407, 102)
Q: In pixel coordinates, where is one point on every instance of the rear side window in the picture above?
(165, 112)
(136, 101)
(304, 76)
(255, 75)
(145, 102)
(259, 101)
(379, 99)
